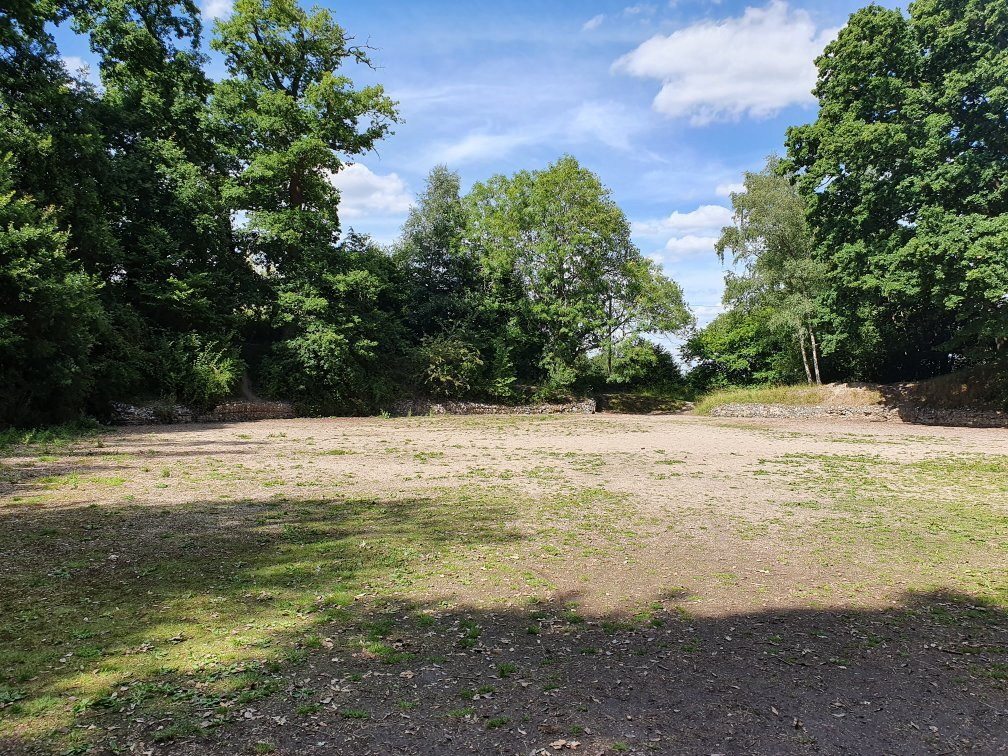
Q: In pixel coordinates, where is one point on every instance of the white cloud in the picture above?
(80, 68)
(481, 145)
(74, 63)
(706, 220)
(364, 194)
(754, 64)
(686, 236)
(640, 9)
(215, 8)
(608, 122)
(594, 22)
(691, 245)
(726, 190)
(705, 313)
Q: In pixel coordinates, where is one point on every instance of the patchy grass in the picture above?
(162, 581)
(52, 438)
(122, 608)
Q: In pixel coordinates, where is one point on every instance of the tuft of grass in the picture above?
(506, 669)
(306, 710)
(354, 714)
(180, 729)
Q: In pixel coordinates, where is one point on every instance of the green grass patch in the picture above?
(121, 606)
(796, 395)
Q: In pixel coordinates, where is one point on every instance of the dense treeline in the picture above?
(879, 243)
(164, 234)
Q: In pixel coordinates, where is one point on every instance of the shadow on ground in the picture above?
(928, 677)
(946, 401)
(112, 608)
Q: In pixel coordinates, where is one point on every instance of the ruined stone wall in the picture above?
(154, 414)
(875, 413)
(419, 407)
(240, 411)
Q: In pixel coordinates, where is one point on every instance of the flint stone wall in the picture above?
(421, 407)
(132, 414)
(906, 414)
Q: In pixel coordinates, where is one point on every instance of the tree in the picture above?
(338, 340)
(171, 271)
(290, 117)
(49, 315)
(441, 270)
(903, 172)
(560, 238)
(736, 348)
(772, 242)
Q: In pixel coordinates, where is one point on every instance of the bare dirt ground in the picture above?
(598, 584)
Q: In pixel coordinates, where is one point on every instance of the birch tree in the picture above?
(776, 270)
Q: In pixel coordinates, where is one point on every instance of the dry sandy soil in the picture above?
(597, 584)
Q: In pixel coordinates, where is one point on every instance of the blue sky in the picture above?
(668, 102)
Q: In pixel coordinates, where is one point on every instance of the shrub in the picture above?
(200, 374)
(449, 366)
(560, 379)
(638, 363)
(49, 315)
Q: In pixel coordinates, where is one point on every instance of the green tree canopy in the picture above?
(904, 173)
(558, 235)
(49, 314)
(440, 268)
(289, 116)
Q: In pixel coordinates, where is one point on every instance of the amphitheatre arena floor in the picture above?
(500, 584)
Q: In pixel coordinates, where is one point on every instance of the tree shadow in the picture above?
(213, 626)
(924, 677)
(97, 597)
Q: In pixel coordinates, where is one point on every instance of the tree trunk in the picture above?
(609, 345)
(815, 355)
(804, 356)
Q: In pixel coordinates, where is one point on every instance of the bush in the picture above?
(200, 374)
(638, 363)
(560, 381)
(450, 367)
(49, 315)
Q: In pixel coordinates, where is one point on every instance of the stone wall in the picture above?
(420, 407)
(241, 411)
(873, 413)
(154, 414)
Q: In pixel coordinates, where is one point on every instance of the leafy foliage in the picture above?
(772, 243)
(164, 233)
(562, 270)
(338, 343)
(450, 366)
(904, 172)
(198, 373)
(736, 348)
(49, 314)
